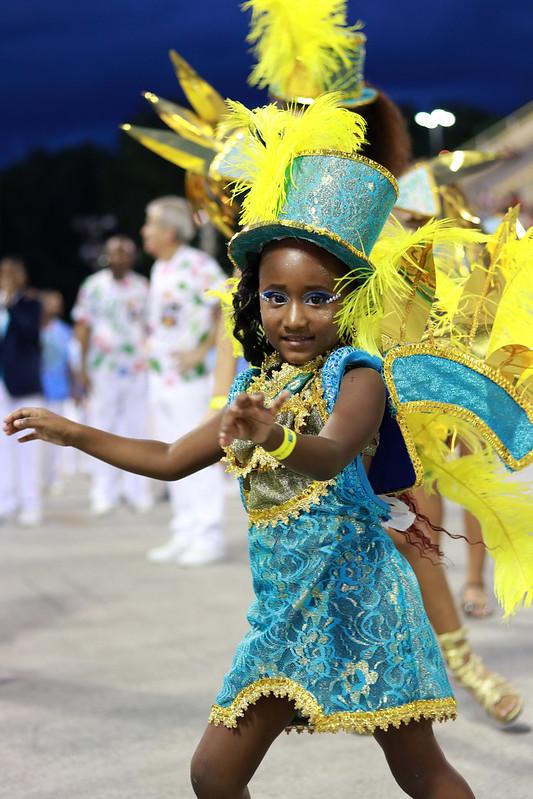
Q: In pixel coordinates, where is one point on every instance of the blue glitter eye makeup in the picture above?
(274, 297)
(316, 299)
(320, 298)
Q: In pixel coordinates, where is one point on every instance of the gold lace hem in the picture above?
(292, 508)
(362, 722)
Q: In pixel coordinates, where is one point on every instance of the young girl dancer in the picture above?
(338, 637)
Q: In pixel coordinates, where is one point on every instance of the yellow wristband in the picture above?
(218, 401)
(287, 445)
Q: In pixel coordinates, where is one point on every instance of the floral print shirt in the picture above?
(117, 312)
(180, 314)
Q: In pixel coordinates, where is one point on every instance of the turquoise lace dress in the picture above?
(337, 624)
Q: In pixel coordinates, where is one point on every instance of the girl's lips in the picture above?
(297, 342)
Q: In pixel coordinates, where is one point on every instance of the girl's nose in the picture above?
(296, 317)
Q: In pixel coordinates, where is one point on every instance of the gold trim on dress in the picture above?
(363, 722)
(302, 502)
(260, 460)
(429, 406)
(299, 404)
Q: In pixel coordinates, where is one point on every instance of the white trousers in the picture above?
(198, 500)
(54, 458)
(73, 461)
(20, 479)
(118, 404)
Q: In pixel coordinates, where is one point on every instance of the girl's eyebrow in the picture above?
(305, 290)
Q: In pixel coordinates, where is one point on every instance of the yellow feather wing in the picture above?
(478, 483)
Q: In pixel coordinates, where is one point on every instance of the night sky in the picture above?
(71, 70)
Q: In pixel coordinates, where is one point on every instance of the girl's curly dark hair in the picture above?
(247, 328)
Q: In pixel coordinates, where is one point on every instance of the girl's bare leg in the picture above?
(226, 760)
(418, 764)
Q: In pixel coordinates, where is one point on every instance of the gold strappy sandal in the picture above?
(487, 687)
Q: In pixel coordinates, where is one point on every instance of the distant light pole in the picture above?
(434, 122)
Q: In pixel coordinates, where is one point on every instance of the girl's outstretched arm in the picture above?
(355, 420)
(192, 452)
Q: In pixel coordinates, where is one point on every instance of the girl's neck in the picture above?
(275, 360)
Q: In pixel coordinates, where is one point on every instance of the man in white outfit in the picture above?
(111, 325)
(183, 325)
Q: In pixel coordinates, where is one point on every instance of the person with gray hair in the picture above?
(183, 322)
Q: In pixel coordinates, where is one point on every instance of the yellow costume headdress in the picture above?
(304, 49)
(304, 179)
(195, 144)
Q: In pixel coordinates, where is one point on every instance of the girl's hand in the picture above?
(249, 419)
(46, 426)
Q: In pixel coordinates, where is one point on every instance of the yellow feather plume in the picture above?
(478, 483)
(225, 294)
(503, 510)
(273, 137)
(456, 250)
(513, 323)
(484, 288)
(289, 34)
(362, 313)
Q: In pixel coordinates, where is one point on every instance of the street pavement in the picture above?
(109, 664)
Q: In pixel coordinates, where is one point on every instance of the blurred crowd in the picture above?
(135, 359)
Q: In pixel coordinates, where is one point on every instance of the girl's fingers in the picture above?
(29, 437)
(20, 413)
(279, 401)
(240, 402)
(25, 422)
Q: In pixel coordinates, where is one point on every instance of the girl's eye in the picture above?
(318, 298)
(273, 297)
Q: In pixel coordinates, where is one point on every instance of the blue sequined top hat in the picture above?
(339, 201)
(350, 80)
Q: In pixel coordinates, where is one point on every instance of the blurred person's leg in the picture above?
(197, 501)
(474, 597)
(133, 422)
(53, 457)
(27, 470)
(74, 461)
(8, 445)
(103, 411)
